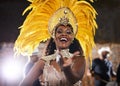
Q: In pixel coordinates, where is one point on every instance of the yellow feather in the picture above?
(35, 27)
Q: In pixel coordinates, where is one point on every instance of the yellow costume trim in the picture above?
(35, 27)
(64, 53)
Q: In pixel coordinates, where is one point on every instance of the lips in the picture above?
(63, 39)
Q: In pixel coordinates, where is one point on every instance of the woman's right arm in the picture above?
(34, 73)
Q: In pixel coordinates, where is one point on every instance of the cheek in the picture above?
(71, 38)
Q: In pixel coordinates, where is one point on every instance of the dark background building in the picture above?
(108, 21)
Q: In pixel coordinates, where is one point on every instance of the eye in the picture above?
(69, 32)
(59, 31)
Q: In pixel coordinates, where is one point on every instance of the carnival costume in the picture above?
(46, 14)
(39, 25)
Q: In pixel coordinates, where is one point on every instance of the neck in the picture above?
(60, 49)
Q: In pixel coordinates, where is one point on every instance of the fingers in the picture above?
(69, 61)
(75, 54)
(64, 62)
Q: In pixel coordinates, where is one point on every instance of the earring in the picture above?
(72, 40)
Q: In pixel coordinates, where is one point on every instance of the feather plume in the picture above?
(35, 27)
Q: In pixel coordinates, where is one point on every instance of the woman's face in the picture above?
(63, 37)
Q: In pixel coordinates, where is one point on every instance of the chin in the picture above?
(64, 47)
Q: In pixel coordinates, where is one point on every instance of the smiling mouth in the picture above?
(63, 39)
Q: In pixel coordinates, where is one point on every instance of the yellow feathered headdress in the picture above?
(40, 23)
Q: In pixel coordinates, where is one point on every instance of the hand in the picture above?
(69, 61)
(66, 62)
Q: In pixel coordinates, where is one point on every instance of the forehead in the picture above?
(64, 27)
(105, 52)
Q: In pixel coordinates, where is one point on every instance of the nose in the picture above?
(63, 33)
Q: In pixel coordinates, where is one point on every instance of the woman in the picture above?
(63, 63)
(59, 69)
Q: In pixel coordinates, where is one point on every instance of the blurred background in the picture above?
(11, 70)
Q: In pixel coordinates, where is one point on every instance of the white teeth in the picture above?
(63, 39)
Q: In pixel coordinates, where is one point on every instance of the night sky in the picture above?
(11, 18)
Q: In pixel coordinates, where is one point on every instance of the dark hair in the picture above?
(75, 46)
